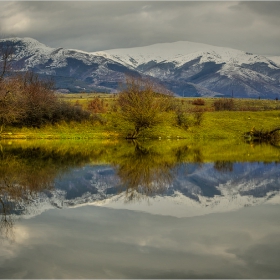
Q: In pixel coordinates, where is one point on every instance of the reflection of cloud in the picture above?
(93, 242)
(261, 256)
(22, 234)
(11, 244)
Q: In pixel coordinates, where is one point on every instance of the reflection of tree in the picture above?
(24, 173)
(6, 221)
(19, 183)
(223, 166)
(29, 169)
(144, 171)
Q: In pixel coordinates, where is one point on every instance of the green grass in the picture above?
(214, 125)
(84, 98)
(233, 124)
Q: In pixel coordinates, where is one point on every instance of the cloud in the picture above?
(93, 26)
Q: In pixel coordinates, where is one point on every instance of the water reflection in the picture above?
(172, 236)
(223, 166)
(24, 174)
(66, 174)
(144, 171)
(19, 184)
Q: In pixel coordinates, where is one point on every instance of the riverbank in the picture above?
(214, 125)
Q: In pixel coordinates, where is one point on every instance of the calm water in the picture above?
(171, 209)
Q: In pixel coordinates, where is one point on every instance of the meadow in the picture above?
(202, 120)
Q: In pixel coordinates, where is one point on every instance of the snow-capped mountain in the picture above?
(183, 65)
(72, 70)
(181, 52)
(186, 68)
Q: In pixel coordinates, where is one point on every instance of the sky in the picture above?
(102, 25)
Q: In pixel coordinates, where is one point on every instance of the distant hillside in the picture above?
(186, 68)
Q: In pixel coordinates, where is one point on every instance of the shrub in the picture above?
(97, 105)
(198, 114)
(98, 118)
(181, 116)
(224, 104)
(67, 112)
(39, 99)
(198, 102)
(142, 103)
(198, 117)
(11, 102)
(26, 100)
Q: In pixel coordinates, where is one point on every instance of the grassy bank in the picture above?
(261, 114)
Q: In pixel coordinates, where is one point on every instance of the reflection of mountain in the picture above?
(168, 177)
(196, 190)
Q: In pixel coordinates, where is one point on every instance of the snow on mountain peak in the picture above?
(181, 52)
(177, 53)
(30, 43)
(186, 67)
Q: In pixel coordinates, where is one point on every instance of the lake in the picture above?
(153, 209)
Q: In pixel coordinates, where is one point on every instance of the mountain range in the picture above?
(186, 68)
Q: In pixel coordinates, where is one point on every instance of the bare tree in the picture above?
(11, 102)
(6, 54)
(142, 103)
(39, 99)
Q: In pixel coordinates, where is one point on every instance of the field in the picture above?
(246, 115)
(241, 104)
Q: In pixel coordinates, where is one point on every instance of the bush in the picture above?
(39, 100)
(198, 102)
(198, 117)
(142, 103)
(67, 112)
(30, 101)
(224, 104)
(97, 105)
(98, 118)
(181, 115)
(197, 113)
(11, 103)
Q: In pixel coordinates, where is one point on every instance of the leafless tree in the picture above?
(6, 55)
(11, 102)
